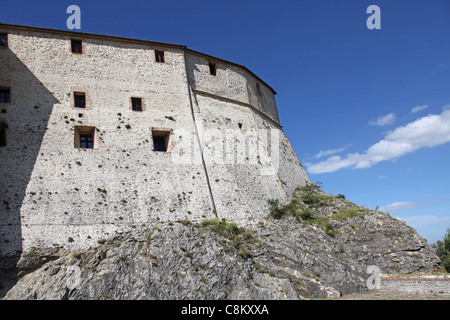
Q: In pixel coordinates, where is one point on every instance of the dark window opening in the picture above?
(136, 104)
(159, 144)
(3, 39)
(159, 56)
(258, 88)
(77, 46)
(5, 95)
(2, 137)
(212, 69)
(80, 99)
(160, 140)
(240, 125)
(86, 141)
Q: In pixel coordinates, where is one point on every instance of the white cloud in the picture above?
(402, 205)
(329, 152)
(429, 131)
(426, 220)
(419, 108)
(383, 120)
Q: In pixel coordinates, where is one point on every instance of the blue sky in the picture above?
(367, 111)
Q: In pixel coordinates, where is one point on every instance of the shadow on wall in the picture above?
(24, 120)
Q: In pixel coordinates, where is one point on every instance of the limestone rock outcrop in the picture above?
(316, 246)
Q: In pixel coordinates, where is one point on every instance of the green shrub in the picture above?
(232, 227)
(184, 222)
(309, 199)
(446, 263)
(344, 215)
(306, 214)
(239, 238)
(275, 210)
(312, 196)
(329, 229)
(443, 250)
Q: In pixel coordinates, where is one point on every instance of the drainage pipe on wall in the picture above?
(198, 138)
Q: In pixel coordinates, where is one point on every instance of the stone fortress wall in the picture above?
(55, 192)
(437, 285)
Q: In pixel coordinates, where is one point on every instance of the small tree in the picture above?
(443, 250)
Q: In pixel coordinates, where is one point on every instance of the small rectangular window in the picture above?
(77, 46)
(3, 127)
(258, 89)
(159, 56)
(136, 104)
(212, 69)
(160, 140)
(85, 137)
(5, 95)
(79, 99)
(3, 39)
(2, 138)
(87, 141)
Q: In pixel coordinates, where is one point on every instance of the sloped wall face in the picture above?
(248, 157)
(249, 160)
(56, 191)
(231, 82)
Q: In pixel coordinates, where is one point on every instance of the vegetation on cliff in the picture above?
(311, 205)
(442, 248)
(318, 245)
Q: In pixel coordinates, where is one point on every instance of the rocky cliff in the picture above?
(316, 246)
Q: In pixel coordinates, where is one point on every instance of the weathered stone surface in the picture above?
(164, 262)
(286, 258)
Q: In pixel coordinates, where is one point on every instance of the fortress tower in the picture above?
(102, 134)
